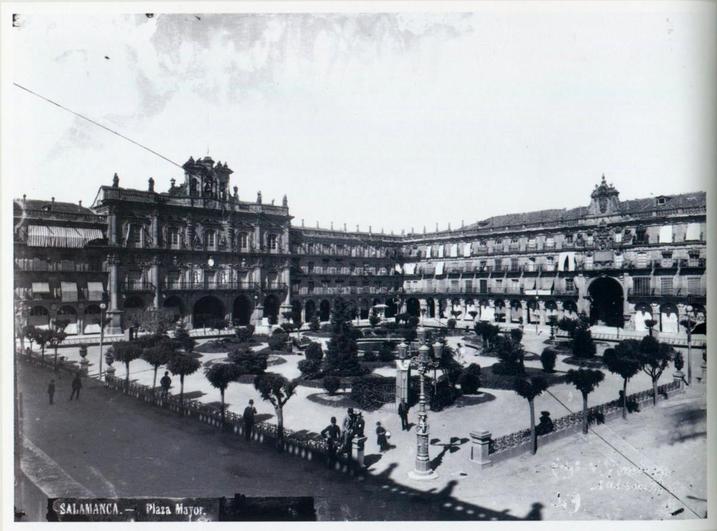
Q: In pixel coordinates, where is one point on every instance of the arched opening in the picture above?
(242, 310)
(430, 308)
(39, 316)
(133, 308)
(551, 310)
(516, 311)
(207, 311)
(607, 302)
(67, 319)
(413, 307)
(93, 316)
(309, 310)
(499, 311)
(296, 311)
(324, 310)
(700, 328)
(669, 320)
(533, 312)
(570, 310)
(175, 308)
(271, 309)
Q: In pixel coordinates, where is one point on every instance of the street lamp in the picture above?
(103, 307)
(688, 326)
(422, 468)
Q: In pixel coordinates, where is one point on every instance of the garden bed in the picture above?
(492, 380)
(594, 362)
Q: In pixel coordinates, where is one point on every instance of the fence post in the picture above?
(480, 447)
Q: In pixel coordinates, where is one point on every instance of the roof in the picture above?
(556, 215)
(57, 206)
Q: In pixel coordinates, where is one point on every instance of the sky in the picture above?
(394, 120)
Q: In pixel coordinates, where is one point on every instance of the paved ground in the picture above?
(514, 484)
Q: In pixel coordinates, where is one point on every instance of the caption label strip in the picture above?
(236, 509)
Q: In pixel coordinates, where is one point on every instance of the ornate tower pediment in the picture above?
(604, 199)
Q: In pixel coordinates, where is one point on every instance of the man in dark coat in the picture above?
(347, 430)
(165, 383)
(76, 386)
(332, 434)
(51, 391)
(248, 416)
(403, 413)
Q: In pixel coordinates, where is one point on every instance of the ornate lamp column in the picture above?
(422, 469)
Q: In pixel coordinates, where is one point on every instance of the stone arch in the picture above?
(324, 310)
(516, 311)
(607, 301)
(499, 310)
(413, 307)
(174, 305)
(643, 312)
(242, 309)
(38, 316)
(92, 319)
(669, 318)
(68, 313)
(533, 312)
(430, 308)
(206, 310)
(271, 309)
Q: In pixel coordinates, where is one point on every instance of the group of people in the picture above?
(339, 440)
(76, 386)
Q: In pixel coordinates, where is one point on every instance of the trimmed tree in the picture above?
(331, 384)
(220, 375)
(650, 324)
(159, 354)
(244, 333)
(585, 381)
(568, 325)
(342, 350)
(469, 379)
(654, 358)
(56, 337)
(248, 361)
(547, 358)
(583, 344)
(183, 339)
(183, 364)
(30, 332)
(126, 352)
(278, 390)
(314, 351)
(42, 337)
(623, 361)
(529, 388)
(315, 324)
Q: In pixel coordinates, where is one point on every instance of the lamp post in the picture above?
(422, 468)
(103, 307)
(688, 327)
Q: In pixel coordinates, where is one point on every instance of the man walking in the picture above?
(332, 434)
(165, 383)
(76, 386)
(347, 430)
(51, 391)
(248, 416)
(403, 413)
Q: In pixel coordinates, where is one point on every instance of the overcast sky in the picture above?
(393, 120)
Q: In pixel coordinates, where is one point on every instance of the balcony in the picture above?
(136, 286)
(681, 293)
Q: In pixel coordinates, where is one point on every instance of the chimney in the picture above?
(115, 181)
(369, 229)
(462, 224)
(24, 198)
(344, 227)
(53, 200)
(80, 203)
(332, 225)
(236, 192)
(357, 228)
(449, 226)
(424, 229)
(302, 222)
(317, 223)
(258, 197)
(436, 226)
(172, 181)
(150, 184)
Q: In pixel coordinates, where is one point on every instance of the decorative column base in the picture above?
(420, 475)
(358, 445)
(114, 327)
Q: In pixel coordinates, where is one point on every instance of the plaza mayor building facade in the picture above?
(199, 253)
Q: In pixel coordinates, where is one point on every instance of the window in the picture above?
(568, 238)
(135, 234)
(693, 232)
(693, 286)
(666, 285)
(211, 238)
(665, 235)
(244, 242)
(641, 285)
(173, 237)
(618, 237)
(271, 242)
(569, 284)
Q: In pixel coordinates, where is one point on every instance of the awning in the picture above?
(528, 283)
(693, 231)
(428, 269)
(566, 261)
(547, 282)
(466, 249)
(428, 251)
(69, 291)
(439, 253)
(409, 269)
(454, 250)
(439, 268)
(40, 287)
(69, 237)
(665, 235)
(95, 291)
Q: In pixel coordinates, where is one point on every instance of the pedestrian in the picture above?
(403, 413)
(459, 353)
(359, 425)
(76, 386)
(248, 417)
(165, 383)
(51, 391)
(381, 437)
(347, 430)
(332, 434)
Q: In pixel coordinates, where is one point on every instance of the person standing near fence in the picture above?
(165, 383)
(248, 417)
(332, 434)
(76, 386)
(51, 391)
(347, 430)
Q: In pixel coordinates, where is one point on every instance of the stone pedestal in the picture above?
(679, 376)
(357, 450)
(115, 322)
(480, 447)
(403, 374)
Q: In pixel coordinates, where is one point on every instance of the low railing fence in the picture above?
(574, 421)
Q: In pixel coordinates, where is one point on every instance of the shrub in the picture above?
(244, 333)
(314, 351)
(370, 355)
(516, 335)
(410, 334)
(568, 325)
(469, 379)
(310, 368)
(451, 323)
(679, 361)
(386, 353)
(288, 327)
(372, 391)
(373, 320)
(278, 341)
(380, 332)
(412, 321)
(315, 325)
(445, 394)
(331, 384)
(248, 361)
(547, 358)
(583, 344)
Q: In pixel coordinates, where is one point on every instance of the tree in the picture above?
(331, 384)
(568, 325)
(342, 350)
(42, 337)
(373, 320)
(159, 354)
(278, 340)
(314, 351)
(30, 332)
(679, 361)
(585, 381)
(529, 388)
(650, 324)
(248, 361)
(244, 333)
(183, 339)
(488, 333)
(220, 375)
(451, 324)
(583, 344)
(315, 324)
(511, 355)
(469, 379)
(310, 368)
(623, 361)
(547, 358)
(156, 321)
(277, 390)
(182, 365)
(654, 358)
(55, 338)
(126, 352)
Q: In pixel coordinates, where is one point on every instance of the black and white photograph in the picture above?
(357, 262)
